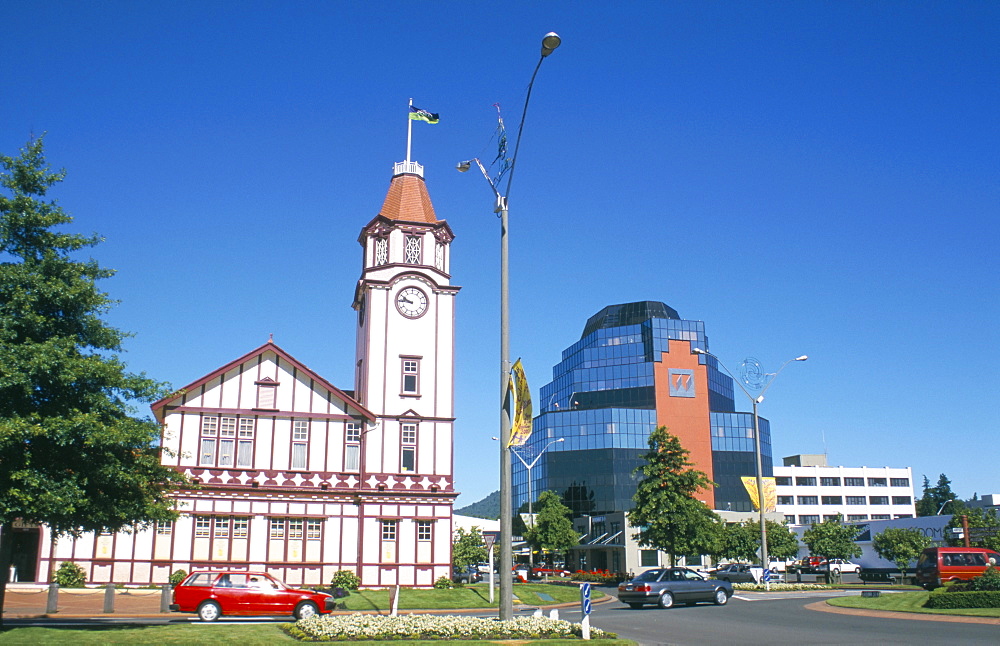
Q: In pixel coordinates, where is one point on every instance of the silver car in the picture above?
(666, 587)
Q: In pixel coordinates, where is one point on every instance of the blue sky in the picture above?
(816, 178)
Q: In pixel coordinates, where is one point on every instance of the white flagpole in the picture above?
(409, 132)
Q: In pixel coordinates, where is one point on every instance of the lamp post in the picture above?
(531, 496)
(764, 560)
(549, 43)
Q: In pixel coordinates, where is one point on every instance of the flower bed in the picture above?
(413, 627)
(780, 587)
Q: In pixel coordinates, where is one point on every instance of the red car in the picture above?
(213, 594)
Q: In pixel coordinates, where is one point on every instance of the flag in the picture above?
(521, 428)
(770, 492)
(417, 114)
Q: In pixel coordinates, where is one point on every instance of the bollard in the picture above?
(52, 603)
(109, 598)
(165, 597)
(554, 614)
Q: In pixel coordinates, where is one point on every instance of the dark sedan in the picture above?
(735, 573)
(668, 586)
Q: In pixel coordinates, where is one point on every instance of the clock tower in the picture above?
(404, 372)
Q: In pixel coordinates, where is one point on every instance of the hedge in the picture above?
(957, 600)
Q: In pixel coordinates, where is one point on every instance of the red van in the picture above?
(940, 564)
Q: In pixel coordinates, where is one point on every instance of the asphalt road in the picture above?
(776, 618)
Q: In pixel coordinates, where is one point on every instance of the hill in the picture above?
(488, 507)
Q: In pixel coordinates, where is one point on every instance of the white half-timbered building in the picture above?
(297, 477)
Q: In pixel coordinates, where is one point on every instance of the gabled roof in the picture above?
(270, 346)
(408, 200)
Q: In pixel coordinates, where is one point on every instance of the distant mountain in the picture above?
(488, 508)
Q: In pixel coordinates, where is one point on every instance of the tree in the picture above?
(741, 542)
(933, 498)
(832, 540)
(553, 530)
(977, 518)
(75, 457)
(468, 548)
(666, 512)
(900, 546)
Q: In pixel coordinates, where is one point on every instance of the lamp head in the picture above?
(698, 351)
(550, 41)
(802, 358)
(561, 439)
(463, 166)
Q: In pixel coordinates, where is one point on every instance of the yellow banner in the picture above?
(521, 427)
(770, 493)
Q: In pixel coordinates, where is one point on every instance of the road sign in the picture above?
(585, 598)
(767, 575)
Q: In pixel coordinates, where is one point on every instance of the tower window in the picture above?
(411, 253)
(408, 455)
(423, 530)
(352, 446)
(411, 376)
(439, 256)
(381, 251)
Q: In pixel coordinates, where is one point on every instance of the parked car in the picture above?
(468, 574)
(665, 587)
(940, 564)
(213, 594)
(836, 566)
(542, 572)
(808, 565)
(735, 573)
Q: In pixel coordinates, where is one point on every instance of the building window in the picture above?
(808, 519)
(881, 516)
(352, 448)
(789, 520)
(241, 527)
(267, 394)
(786, 500)
(202, 526)
(903, 516)
(209, 435)
(805, 481)
(827, 517)
(277, 528)
(295, 528)
(855, 500)
(783, 481)
(901, 500)
(164, 527)
(829, 482)
(389, 530)
(876, 482)
(222, 527)
(411, 376)
(381, 251)
(411, 253)
(851, 517)
(854, 482)
(408, 459)
(899, 482)
(244, 456)
(878, 500)
(647, 558)
(300, 443)
(314, 529)
(833, 500)
(808, 500)
(423, 530)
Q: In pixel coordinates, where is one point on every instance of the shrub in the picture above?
(956, 600)
(346, 579)
(177, 576)
(70, 575)
(443, 583)
(597, 577)
(988, 581)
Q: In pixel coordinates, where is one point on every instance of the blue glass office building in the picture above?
(632, 370)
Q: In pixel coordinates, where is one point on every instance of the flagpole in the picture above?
(409, 132)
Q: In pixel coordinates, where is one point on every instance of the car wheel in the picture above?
(209, 611)
(666, 600)
(306, 609)
(635, 606)
(721, 598)
(836, 571)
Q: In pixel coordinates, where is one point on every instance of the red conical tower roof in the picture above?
(408, 200)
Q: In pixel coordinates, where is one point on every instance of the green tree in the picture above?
(901, 546)
(468, 548)
(74, 455)
(666, 512)
(934, 498)
(831, 539)
(553, 530)
(741, 541)
(977, 518)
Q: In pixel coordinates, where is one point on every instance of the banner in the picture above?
(520, 430)
(770, 493)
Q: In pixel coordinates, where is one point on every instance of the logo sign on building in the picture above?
(681, 382)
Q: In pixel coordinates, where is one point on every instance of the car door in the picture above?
(230, 592)
(697, 587)
(272, 597)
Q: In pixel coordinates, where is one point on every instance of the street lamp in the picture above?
(531, 496)
(549, 43)
(765, 562)
(941, 508)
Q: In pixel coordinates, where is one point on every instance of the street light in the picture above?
(941, 508)
(531, 497)
(549, 43)
(764, 561)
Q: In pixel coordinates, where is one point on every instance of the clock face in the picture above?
(411, 302)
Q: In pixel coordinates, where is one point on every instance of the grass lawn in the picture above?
(907, 602)
(215, 634)
(470, 596)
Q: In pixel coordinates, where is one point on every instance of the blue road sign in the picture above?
(767, 575)
(585, 598)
